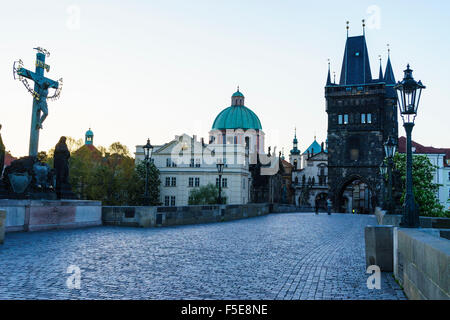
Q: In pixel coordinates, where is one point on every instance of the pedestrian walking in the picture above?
(329, 206)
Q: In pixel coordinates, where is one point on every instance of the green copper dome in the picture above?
(237, 117)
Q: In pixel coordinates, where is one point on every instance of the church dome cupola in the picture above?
(237, 99)
(89, 137)
(237, 116)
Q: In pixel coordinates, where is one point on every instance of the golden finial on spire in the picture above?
(347, 27)
(364, 26)
(389, 49)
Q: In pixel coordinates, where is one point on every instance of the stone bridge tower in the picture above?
(362, 113)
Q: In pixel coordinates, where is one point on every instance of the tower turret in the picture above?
(294, 155)
(89, 137)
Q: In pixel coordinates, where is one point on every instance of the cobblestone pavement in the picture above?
(279, 256)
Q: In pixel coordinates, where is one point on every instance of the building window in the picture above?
(168, 162)
(340, 119)
(197, 182)
(363, 118)
(191, 182)
(197, 163)
(224, 183)
(166, 201)
(354, 148)
(174, 181)
(369, 118)
(192, 163)
(449, 176)
(345, 118)
(167, 182)
(172, 201)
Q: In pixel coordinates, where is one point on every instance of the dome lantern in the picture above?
(89, 137)
(237, 99)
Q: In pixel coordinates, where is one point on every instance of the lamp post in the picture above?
(409, 92)
(390, 148)
(219, 165)
(383, 170)
(148, 148)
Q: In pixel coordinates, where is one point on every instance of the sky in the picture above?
(153, 69)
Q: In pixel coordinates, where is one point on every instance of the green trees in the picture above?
(425, 191)
(208, 194)
(109, 174)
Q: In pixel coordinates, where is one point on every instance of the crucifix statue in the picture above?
(39, 93)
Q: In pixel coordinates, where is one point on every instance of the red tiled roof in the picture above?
(286, 164)
(423, 149)
(420, 148)
(8, 159)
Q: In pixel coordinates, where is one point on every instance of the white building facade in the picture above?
(186, 163)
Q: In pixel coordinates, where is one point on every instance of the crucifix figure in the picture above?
(40, 94)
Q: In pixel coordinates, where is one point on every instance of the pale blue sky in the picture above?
(138, 69)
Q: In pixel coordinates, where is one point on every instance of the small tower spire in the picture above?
(347, 27)
(389, 77)
(329, 75)
(380, 75)
(334, 77)
(364, 26)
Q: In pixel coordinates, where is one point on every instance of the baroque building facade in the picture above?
(362, 113)
(236, 138)
(310, 179)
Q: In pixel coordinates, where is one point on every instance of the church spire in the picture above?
(389, 73)
(295, 150)
(380, 74)
(329, 75)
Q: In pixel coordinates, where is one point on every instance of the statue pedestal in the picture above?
(36, 215)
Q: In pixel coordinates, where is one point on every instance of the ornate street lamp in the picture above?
(220, 165)
(409, 92)
(390, 148)
(148, 149)
(383, 169)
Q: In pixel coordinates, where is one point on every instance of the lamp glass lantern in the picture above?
(148, 149)
(390, 147)
(219, 166)
(383, 169)
(409, 92)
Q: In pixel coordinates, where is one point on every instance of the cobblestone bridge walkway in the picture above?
(284, 256)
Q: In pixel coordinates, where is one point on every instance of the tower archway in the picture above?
(355, 194)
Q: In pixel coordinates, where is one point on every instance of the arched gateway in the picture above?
(355, 194)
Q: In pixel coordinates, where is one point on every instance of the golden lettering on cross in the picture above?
(41, 64)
